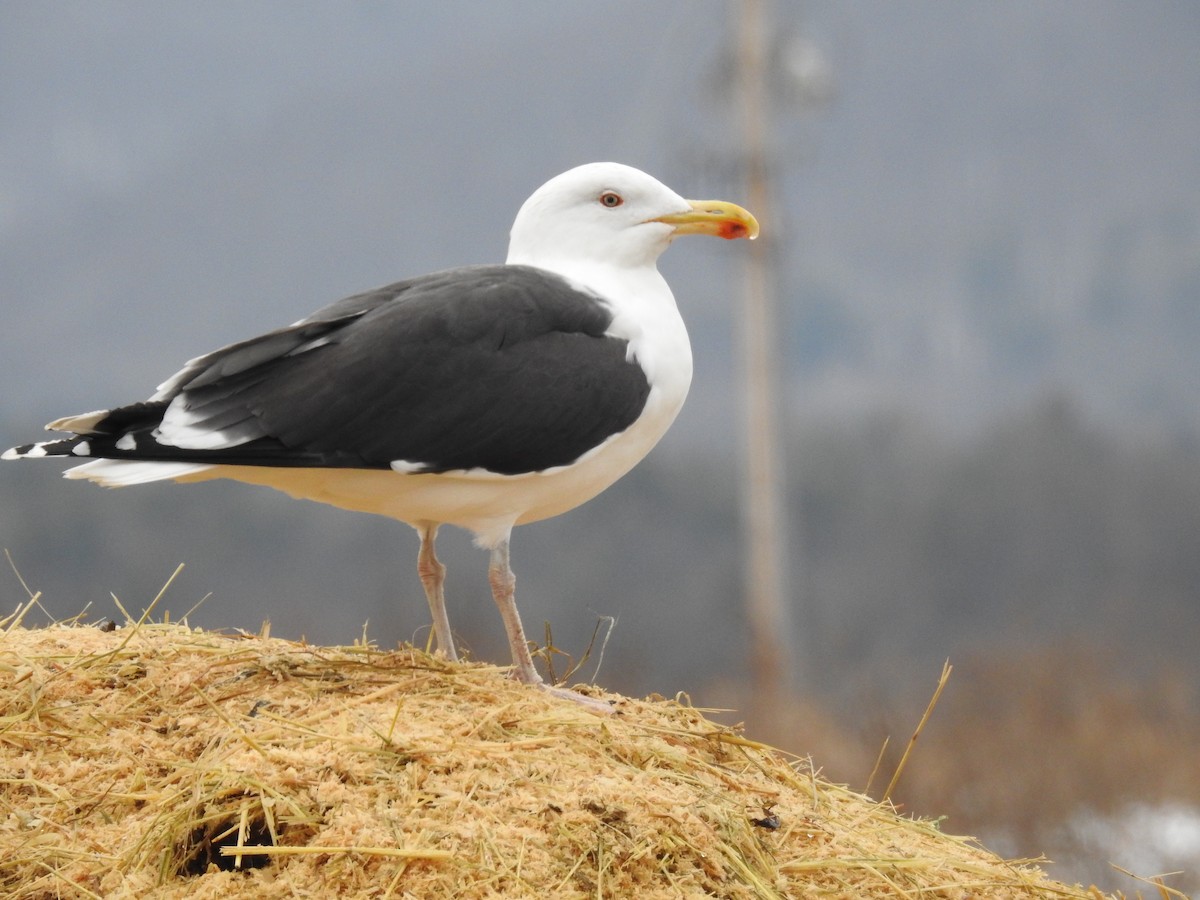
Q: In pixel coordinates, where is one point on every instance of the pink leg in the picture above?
(504, 584)
(433, 578)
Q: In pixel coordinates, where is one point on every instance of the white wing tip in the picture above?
(84, 423)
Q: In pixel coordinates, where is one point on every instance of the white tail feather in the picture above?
(122, 473)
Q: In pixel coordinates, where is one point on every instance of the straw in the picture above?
(161, 761)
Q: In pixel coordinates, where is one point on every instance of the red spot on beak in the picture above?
(731, 230)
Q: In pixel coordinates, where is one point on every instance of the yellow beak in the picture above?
(713, 217)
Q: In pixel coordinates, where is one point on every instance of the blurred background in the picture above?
(984, 247)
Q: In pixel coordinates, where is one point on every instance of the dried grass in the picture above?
(162, 761)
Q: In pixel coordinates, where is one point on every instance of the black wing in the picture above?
(503, 368)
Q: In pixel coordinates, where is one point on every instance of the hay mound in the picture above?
(162, 761)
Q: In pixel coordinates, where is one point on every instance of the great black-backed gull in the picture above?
(483, 397)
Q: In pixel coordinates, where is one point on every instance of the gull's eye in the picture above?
(611, 199)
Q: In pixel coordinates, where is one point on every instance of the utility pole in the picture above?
(763, 520)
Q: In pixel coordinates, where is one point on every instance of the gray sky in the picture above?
(1001, 200)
